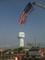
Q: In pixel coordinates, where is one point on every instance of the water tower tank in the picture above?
(21, 38)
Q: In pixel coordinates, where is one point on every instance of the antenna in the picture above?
(35, 42)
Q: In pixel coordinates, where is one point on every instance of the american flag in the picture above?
(25, 13)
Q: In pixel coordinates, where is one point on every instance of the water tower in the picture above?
(21, 37)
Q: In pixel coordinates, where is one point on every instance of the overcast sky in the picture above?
(34, 28)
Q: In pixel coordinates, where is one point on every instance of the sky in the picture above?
(34, 27)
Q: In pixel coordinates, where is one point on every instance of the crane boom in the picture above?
(39, 4)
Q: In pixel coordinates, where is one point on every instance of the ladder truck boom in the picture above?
(39, 4)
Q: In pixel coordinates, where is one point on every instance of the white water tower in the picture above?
(21, 38)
